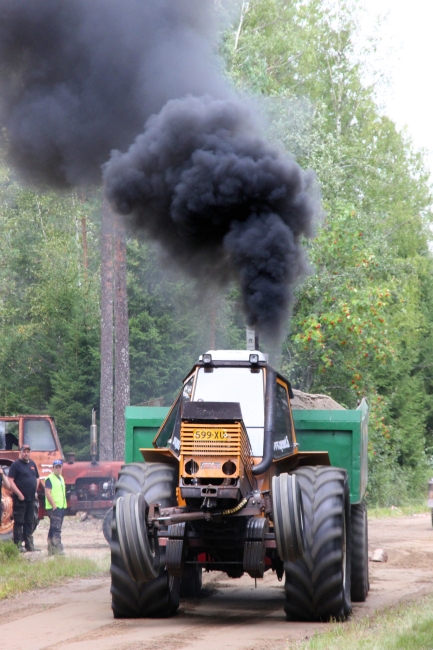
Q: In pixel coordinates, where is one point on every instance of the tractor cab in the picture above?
(230, 422)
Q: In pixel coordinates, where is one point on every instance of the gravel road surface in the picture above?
(230, 614)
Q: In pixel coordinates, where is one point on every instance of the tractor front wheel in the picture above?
(318, 585)
(288, 516)
(159, 596)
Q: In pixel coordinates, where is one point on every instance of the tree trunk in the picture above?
(84, 244)
(121, 329)
(106, 403)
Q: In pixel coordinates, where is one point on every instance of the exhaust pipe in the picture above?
(93, 438)
(269, 432)
(252, 336)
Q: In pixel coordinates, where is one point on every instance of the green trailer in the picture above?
(142, 425)
(343, 434)
(230, 478)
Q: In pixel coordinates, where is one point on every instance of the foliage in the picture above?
(49, 312)
(362, 324)
(171, 320)
(49, 359)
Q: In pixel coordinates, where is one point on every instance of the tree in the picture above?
(121, 340)
(106, 441)
(361, 320)
(49, 309)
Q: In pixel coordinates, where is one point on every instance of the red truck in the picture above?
(89, 484)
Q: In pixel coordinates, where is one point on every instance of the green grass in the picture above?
(19, 573)
(405, 627)
(415, 508)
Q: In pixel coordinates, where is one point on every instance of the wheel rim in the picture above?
(288, 517)
(139, 549)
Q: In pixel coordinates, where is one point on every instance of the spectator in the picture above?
(55, 505)
(24, 480)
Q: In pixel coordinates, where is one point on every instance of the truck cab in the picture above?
(37, 431)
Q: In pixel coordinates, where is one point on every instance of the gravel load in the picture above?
(306, 401)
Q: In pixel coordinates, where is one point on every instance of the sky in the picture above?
(405, 55)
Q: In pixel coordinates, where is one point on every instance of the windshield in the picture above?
(234, 385)
(38, 435)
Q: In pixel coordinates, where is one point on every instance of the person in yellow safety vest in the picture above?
(55, 505)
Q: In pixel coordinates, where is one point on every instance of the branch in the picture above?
(272, 22)
(245, 7)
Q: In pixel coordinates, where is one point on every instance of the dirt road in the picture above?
(232, 614)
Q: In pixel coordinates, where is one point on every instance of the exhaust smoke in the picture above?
(79, 79)
(221, 201)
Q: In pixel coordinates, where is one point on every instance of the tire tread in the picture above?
(158, 598)
(360, 574)
(314, 584)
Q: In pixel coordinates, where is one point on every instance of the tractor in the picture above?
(235, 481)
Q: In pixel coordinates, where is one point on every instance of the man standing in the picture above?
(24, 480)
(55, 505)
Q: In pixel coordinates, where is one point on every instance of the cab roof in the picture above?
(234, 355)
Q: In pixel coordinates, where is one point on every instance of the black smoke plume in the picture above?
(221, 201)
(80, 78)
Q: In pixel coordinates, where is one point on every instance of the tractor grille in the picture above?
(227, 446)
(230, 440)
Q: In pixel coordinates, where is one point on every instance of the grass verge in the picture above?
(405, 627)
(19, 573)
(415, 508)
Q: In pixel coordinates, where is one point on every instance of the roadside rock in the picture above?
(378, 555)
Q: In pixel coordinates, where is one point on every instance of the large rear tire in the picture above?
(359, 526)
(106, 525)
(191, 581)
(157, 598)
(318, 586)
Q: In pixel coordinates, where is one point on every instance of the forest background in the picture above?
(362, 325)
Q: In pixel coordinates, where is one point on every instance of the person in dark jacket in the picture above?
(24, 480)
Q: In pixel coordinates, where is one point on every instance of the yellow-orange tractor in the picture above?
(226, 487)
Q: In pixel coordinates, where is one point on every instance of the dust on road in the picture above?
(231, 614)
